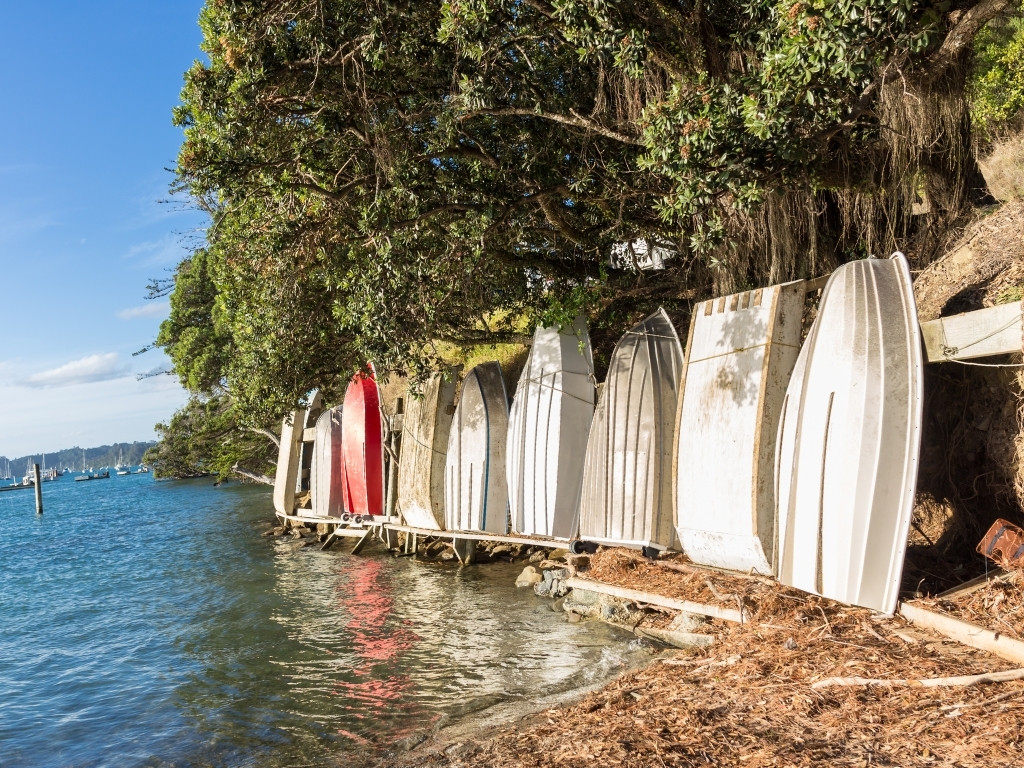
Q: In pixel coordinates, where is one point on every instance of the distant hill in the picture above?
(101, 456)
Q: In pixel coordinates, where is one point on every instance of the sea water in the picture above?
(150, 623)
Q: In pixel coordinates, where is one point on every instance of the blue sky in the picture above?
(87, 90)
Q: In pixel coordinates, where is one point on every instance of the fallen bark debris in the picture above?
(749, 699)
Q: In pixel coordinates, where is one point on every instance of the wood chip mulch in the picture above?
(748, 699)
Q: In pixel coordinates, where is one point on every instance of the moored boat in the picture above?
(288, 476)
(849, 439)
(627, 478)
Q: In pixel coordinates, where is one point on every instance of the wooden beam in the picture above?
(965, 632)
(536, 541)
(367, 534)
(717, 612)
(985, 332)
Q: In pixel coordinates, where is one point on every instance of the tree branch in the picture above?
(575, 120)
(274, 438)
(255, 477)
(961, 35)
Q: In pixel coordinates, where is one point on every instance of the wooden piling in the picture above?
(39, 489)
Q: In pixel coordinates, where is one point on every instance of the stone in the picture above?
(573, 618)
(559, 588)
(586, 597)
(278, 531)
(536, 557)
(542, 588)
(558, 554)
(447, 556)
(676, 639)
(529, 577)
(687, 622)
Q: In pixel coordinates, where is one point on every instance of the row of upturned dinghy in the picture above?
(751, 451)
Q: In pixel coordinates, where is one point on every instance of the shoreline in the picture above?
(806, 682)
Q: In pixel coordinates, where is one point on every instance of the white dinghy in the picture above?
(425, 428)
(292, 465)
(627, 477)
(850, 437)
(739, 357)
(475, 491)
(547, 435)
(326, 484)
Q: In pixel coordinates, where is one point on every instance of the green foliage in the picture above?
(386, 179)
(997, 82)
(207, 436)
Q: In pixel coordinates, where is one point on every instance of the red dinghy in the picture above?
(362, 447)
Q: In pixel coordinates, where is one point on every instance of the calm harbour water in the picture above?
(149, 623)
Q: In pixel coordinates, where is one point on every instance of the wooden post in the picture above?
(39, 489)
(465, 550)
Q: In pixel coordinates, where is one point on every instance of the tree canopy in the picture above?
(385, 175)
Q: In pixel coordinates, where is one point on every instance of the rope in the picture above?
(948, 352)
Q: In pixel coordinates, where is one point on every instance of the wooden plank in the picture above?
(979, 582)
(717, 612)
(984, 332)
(536, 541)
(367, 534)
(965, 632)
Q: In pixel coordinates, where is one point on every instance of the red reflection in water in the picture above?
(369, 602)
(367, 598)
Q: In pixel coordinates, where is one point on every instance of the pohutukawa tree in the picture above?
(382, 176)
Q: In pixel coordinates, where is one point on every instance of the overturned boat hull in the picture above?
(363, 447)
(548, 429)
(425, 429)
(849, 439)
(476, 493)
(293, 458)
(327, 479)
(739, 356)
(627, 478)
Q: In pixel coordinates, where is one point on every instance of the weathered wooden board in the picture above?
(985, 332)
(715, 611)
(965, 632)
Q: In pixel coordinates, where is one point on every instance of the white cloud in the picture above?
(82, 371)
(149, 309)
(168, 251)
